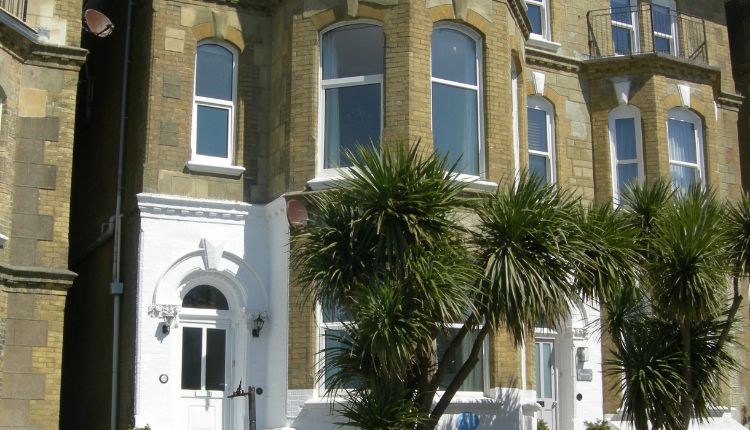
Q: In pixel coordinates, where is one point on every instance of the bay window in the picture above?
(351, 92)
(540, 116)
(685, 138)
(626, 149)
(456, 97)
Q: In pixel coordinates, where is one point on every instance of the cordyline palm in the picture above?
(388, 249)
(671, 334)
(402, 251)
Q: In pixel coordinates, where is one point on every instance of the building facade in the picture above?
(233, 107)
(40, 56)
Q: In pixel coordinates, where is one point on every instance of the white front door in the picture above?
(546, 381)
(205, 359)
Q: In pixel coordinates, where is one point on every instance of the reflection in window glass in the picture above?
(352, 62)
(213, 131)
(215, 358)
(205, 297)
(475, 380)
(456, 98)
(191, 358)
(214, 68)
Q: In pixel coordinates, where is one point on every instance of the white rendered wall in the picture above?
(245, 249)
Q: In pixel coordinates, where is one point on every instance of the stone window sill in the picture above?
(547, 45)
(235, 171)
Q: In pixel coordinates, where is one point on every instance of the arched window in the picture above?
(205, 297)
(457, 97)
(214, 102)
(626, 148)
(351, 92)
(541, 128)
(685, 138)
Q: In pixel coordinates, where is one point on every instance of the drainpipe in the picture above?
(116, 287)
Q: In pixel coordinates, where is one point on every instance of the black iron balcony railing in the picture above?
(16, 8)
(646, 29)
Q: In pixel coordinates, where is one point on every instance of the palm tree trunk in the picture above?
(459, 379)
(736, 301)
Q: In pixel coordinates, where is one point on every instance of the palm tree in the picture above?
(671, 334)
(402, 249)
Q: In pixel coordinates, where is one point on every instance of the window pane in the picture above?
(621, 11)
(537, 357)
(621, 40)
(215, 361)
(213, 131)
(205, 297)
(353, 50)
(535, 16)
(662, 21)
(625, 139)
(537, 130)
(455, 126)
(213, 72)
(683, 176)
(547, 370)
(662, 45)
(627, 175)
(191, 358)
(352, 118)
(538, 167)
(334, 314)
(682, 141)
(454, 56)
(473, 382)
(333, 341)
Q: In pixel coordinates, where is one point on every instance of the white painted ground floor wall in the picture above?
(242, 250)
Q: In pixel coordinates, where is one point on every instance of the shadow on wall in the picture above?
(503, 411)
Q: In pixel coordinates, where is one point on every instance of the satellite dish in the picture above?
(296, 213)
(97, 23)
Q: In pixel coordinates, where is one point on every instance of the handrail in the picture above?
(646, 29)
(16, 8)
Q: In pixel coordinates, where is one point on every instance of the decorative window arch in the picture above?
(685, 143)
(626, 148)
(457, 127)
(540, 115)
(205, 297)
(351, 92)
(214, 107)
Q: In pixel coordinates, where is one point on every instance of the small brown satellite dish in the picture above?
(296, 213)
(97, 23)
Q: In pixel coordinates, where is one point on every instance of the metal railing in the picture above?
(646, 29)
(16, 8)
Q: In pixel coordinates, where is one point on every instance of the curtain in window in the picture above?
(538, 141)
(682, 141)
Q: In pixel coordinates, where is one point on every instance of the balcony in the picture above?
(16, 8)
(646, 29)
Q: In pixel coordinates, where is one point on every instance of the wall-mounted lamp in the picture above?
(258, 325)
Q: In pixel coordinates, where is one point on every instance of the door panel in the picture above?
(204, 367)
(546, 381)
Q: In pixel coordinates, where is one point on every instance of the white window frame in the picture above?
(479, 60)
(206, 163)
(546, 28)
(623, 112)
(540, 103)
(514, 75)
(673, 38)
(635, 43)
(351, 81)
(322, 326)
(686, 115)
